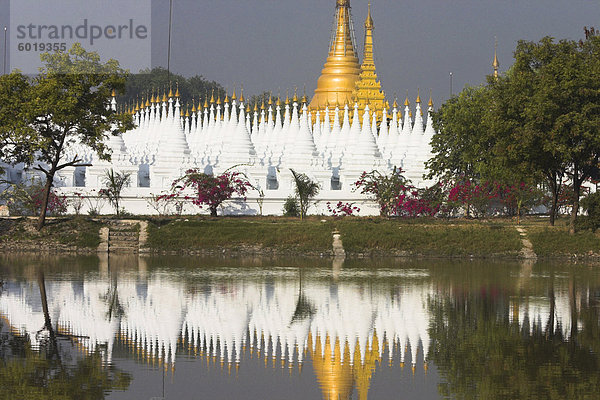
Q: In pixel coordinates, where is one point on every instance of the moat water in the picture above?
(195, 328)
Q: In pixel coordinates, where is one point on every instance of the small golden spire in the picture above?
(194, 105)
(114, 94)
(406, 102)
(418, 96)
(206, 101)
(177, 91)
(153, 99)
(295, 99)
(247, 107)
(187, 111)
(219, 99)
(256, 107)
(233, 96)
(212, 96)
(262, 105)
(147, 102)
(395, 105)
(170, 91)
(369, 21)
(270, 100)
(496, 63)
(430, 99)
(227, 97)
(278, 102)
(242, 95)
(304, 100)
(287, 97)
(164, 99)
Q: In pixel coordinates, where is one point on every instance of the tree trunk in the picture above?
(44, 298)
(213, 211)
(575, 210)
(47, 189)
(555, 188)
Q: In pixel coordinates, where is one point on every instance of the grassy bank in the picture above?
(429, 238)
(239, 233)
(58, 234)
(290, 236)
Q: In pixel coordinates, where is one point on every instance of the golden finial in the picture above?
(262, 104)
(270, 99)
(206, 101)
(227, 96)
(256, 107)
(406, 102)
(247, 107)
(496, 63)
(304, 100)
(187, 111)
(219, 99)
(278, 102)
(233, 96)
(430, 99)
(164, 99)
(194, 105)
(147, 102)
(295, 99)
(177, 91)
(418, 96)
(114, 94)
(170, 91)
(212, 96)
(287, 97)
(369, 21)
(242, 95)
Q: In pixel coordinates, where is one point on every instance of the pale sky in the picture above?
(268, 44)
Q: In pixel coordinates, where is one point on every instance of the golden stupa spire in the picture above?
(212, 97)
(342, 68)
(418, 95)
(368, 87)
(496, 63)
(177, 91)
(233, 96)
(242, 95)
(430, 104)
(170, 91)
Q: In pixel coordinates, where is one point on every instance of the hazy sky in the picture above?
(268, 44)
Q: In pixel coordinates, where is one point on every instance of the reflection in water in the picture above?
(481, 327)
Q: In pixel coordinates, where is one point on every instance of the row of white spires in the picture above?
(233, 315)
(223, 136)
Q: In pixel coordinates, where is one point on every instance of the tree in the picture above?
(210, 190)
(462, 129)
(156, 81)
(306, 190)
(115, 182)
(67, 102)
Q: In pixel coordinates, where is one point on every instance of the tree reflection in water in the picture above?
(483, 352)
(53, 369)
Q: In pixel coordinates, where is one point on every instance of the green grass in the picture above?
(282, 233)
(430, 237)
(79, 232)
(556, 241)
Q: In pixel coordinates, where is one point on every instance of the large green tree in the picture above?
(538, 122)
(68, 102)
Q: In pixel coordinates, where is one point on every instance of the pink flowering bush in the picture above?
(342, 209)
(26, 199)
(395, 194)
(210, 190)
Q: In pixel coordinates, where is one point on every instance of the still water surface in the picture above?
(179, 328)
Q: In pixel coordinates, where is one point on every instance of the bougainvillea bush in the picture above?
(26, 199)
(209, 190)
(342, 209)
(395, 194)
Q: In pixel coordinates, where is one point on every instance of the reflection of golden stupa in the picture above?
(342, 68)
(337, 376)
